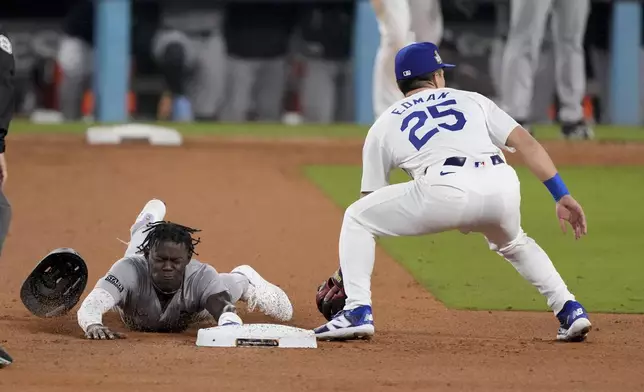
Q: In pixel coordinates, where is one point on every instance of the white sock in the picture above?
(357, 258)
(135, 241)
(535, 266)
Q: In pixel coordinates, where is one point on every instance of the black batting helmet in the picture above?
(56, 284)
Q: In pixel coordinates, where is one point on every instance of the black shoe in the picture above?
(577, 130)
(5, 358)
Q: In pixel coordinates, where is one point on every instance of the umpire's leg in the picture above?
(5, 218)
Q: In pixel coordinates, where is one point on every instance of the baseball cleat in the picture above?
(270, 299)
(5, 358)
(348, 324)
(577, 130)
(575, 324)
(153, 211)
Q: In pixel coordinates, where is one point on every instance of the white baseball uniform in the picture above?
(400, 23)
(450, 142)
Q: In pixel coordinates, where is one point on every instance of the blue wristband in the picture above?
(556, 187)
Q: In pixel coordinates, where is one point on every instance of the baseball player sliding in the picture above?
(450, 142)
(400, 22)
(158, 287)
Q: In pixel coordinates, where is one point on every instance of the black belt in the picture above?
(460, 161)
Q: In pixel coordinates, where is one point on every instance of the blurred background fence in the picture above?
(306, 60)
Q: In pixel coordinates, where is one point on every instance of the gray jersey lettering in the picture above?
(130, 283)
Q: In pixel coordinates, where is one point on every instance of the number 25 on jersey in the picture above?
(455, 121)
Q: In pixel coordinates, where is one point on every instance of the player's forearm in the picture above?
(538, 161)
(91, 311)
(220, 303)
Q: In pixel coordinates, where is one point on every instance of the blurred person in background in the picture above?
(400, 23)
(190, 52)
(7, 108)
(76, 51)
(326, 89)
(258, 37)
(528, 20)
(598, 39)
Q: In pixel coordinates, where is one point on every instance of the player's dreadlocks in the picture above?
(163, 231)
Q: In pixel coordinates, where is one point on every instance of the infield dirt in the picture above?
(256, 208)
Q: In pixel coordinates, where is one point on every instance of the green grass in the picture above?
(604, 133)
(214, 129)
(605, 269)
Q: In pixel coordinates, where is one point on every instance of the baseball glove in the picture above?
(56, 284)
(330, 297)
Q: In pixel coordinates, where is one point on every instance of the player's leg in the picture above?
(569, 27)
(153, 211)
(394, 24)
(318, 90)
(412, 208)
(426, 20)
(344, 102)
(207, 84)
(175, 55)
(241, 75)
(507, 238)
(520, 58)
(75, 60)
(270, 89)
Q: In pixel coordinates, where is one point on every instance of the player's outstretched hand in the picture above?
(568, 210)
(101, 332)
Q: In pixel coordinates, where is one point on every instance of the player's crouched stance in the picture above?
(159, 287)
(450, 142)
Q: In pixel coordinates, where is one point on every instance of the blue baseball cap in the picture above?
(417, 59)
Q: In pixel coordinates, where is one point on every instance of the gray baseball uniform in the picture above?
(527, 25)
(197, 28)
(129, 282)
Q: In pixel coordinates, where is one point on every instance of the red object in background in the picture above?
(587, 104)
(50, 96)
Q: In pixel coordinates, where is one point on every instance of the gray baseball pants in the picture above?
(528, 20)
(205, 60)
(326, 91)
(254, 85)
(5, 219)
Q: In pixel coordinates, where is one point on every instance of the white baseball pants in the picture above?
(484, 199)
(400, 23)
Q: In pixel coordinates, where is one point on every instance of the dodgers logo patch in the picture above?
(113, 280)
(5, 44)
